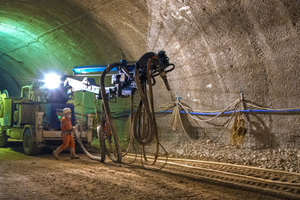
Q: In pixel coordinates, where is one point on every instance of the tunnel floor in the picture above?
(43, 177)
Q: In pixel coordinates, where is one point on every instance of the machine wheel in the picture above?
(28, 143)
(3, 139)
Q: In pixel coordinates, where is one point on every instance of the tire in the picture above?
(28, 143)
(3, 139)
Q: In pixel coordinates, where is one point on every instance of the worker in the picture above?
(67, 137)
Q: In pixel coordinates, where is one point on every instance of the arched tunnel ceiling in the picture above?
(219, 47)
(37, 37)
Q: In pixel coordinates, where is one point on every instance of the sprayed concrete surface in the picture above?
(220, 48)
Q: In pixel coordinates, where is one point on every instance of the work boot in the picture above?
(73, 154)
(56, 152)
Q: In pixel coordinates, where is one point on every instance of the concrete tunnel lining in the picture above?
(218, 48)
(221, 48)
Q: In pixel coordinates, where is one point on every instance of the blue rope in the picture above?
(230, 112)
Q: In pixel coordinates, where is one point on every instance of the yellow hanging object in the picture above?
(238, 130)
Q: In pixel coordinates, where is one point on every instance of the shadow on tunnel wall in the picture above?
(264, 137)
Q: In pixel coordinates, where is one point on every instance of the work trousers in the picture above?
(68, 141)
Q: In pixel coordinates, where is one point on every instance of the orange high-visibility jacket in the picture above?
(66, 125)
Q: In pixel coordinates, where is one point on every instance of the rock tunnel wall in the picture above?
(220, 48)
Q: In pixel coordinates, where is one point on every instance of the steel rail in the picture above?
(231, 173)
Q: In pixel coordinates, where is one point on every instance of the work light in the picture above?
(52, 81)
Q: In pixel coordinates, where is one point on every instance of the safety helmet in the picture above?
(66, 111)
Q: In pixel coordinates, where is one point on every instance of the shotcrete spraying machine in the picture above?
(41, 122)
(128, 79)
(34, 117)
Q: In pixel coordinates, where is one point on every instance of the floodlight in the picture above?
(52, 81)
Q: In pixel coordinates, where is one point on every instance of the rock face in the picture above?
(220, 48)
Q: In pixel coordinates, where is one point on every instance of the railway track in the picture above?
(278, 183)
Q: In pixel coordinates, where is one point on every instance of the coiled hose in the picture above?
(144, 122)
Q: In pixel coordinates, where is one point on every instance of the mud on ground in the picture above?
(43, 177)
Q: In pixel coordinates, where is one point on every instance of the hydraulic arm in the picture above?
(127, 78)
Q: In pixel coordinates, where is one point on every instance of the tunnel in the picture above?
(224, 52)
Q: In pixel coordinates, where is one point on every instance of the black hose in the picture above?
(110, 123)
